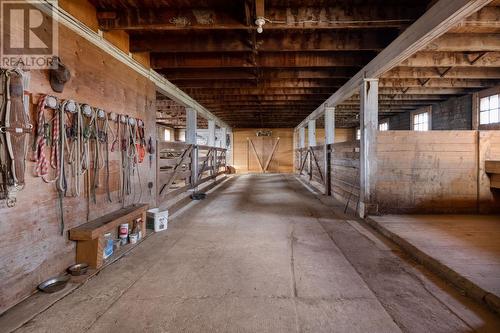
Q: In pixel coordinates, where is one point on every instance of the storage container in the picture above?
(157, 220)
(108, 245)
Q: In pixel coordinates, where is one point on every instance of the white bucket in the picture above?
(157, 220)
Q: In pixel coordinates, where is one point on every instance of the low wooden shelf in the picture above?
(90, 236)
(493, 168)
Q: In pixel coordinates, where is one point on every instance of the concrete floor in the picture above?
(262, 254)
(468, 246)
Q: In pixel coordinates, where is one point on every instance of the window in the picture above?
(421, 121)
(166, 134)
(383, 126)
(489, 113)
(358, 134)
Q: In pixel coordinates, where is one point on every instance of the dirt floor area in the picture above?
(263, 254)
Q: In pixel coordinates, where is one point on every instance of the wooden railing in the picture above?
(183, 166)
(345, 172)
(333, 169)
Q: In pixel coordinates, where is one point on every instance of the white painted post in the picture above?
(223, 144)
(191, 139)
(329, 140)
(190, 126)
(368, 145)
(311, 142)
(302, 137)
(211, 133)
(329, 125)
(223, 137)
(311, 133)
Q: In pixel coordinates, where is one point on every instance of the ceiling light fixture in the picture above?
(260, 21)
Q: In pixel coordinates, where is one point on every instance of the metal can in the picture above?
(123, 233)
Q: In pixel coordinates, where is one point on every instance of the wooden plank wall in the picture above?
(489, 149)
(243, 157)
(341, 135)
(435, 172)
(344, 176)
(31, 247)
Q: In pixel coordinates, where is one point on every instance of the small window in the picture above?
(358, 134)
(421, 121)
(383, 126)
(166, 134)
(489, 112)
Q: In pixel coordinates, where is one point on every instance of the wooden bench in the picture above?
(493, 168)
(90, 236)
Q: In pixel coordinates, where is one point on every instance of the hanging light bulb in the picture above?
(260, 24)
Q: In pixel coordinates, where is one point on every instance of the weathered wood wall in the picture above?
(489, 149)
(344, 176)
(243, 156)
(436, 171)
(31, 248)
(341, 135)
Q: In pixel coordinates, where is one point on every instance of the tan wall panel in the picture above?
(436, 171)
(244, 158)
(341, 135)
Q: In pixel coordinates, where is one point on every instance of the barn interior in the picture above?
(250, 165)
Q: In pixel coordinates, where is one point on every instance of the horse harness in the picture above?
(15, 128)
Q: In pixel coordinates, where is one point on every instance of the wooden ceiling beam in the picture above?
(280, 83)
(453, 59)
(317, 59)
(270, 74)
(458, 42)
(257, 91)
(437, 83)
(262, 60)
(278, 41)
(438, 72)
(341, 16)
(222, 99)
(486, 20)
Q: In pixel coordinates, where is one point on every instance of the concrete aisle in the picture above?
(260, 254)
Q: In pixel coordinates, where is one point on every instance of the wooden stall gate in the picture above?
(333, 169)
(311, 162)
(182, 166)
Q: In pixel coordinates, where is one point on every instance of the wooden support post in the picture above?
(329, 125)
(191, 122)
(191, 126)
(223, 137)
(302, 137)
(368, 145)
(311, 133)
(211, 133)
(329, 140)
(311, 142)
(211, 142)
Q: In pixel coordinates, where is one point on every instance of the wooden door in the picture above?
(262, 154)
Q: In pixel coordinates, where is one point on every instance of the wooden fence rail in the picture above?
(333, 168)
(183, 166)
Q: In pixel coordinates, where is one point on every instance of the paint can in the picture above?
(123, 233)
(134, 238)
